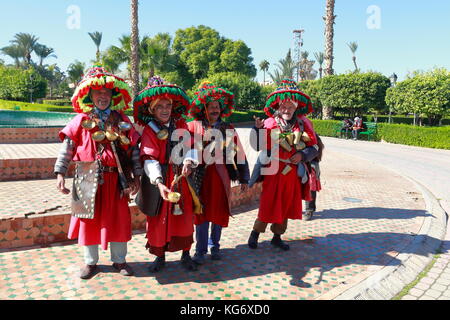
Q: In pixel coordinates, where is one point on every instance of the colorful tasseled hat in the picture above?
(97, 78)
(207, 93)
(288, 90)
(158, 88)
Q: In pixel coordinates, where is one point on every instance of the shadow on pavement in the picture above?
(371, 213)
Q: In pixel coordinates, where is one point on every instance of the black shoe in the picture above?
(88, 271)
(124, 269)
(216, 255)
(187, 262)
(158, 264)
(277, 242)
(253, 240)
(308, 215)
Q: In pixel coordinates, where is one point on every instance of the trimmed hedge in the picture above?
(61, 102)
(26, 106)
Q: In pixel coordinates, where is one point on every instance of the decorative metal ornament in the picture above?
(124, 126)
(290, 138)
(88, 124)
(163, 134)
(305, 137)
(174, 197)
(111, 135)
(285, 145)
(177, 210)
(99, 136)
(124, 140)
(297, 137)
(286, 170)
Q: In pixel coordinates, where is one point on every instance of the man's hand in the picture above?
(135, 185)
(244, 187)
(139, 128)
(61, 184)
(296, 158)
(258, 122)
(163, 191)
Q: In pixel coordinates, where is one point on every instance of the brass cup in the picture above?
(290, 138)
(111, 135)
(124, 126)
(286, 170)
(285, 145)
(300, 146)
(174, 197)
(99, 136)
(88, 124)
(163, 134)
(124, 140)
(297, 137)
(305, 137)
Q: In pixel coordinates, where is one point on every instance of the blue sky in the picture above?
(413, 35)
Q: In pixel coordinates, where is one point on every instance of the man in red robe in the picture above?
(287, 142)
(100, 140)
(210, 105)
(159, 107)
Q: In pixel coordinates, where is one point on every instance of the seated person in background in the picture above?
(357, 127)
(346, 127)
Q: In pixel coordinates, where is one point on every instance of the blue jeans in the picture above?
(202, 240)
(118, 253)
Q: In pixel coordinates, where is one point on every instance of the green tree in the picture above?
(97, 39)
(320, 57)
(75, 71)
(27, 43)
(312, 89)
(44, 52)
(21, 85)
(426, 93)
(355, 93)
(353, 47)
(285, 68)
(264, 67)
(14, 52)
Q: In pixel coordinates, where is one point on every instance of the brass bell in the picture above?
(111, 135)
(286, 170)
(99, 136)
(88, 124)
(163, 134)
(124, 140)
(124, 126)
(174, 197)
(177, 210)
(297, 137)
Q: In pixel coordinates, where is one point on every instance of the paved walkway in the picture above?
(359, 229)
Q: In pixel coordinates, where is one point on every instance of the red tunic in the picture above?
(168, 232)
(216, 189)
(112, 219)
(282, 195)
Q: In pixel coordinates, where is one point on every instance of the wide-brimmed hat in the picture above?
(208, 92)
(288, 90)
(158, 88)
(98, 78)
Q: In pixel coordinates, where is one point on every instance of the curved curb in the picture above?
(388, 282)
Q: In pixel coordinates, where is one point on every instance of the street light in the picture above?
(31, 87)
(393, 78)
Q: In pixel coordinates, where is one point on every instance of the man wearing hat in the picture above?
(286, 143)
(224, 163)
(166, 196)
(100, 140)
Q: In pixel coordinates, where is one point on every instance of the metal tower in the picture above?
(298, 44)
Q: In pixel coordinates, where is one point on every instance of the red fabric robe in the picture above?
(168, 232)
(282, 195)
(216, 188)
(112, 219)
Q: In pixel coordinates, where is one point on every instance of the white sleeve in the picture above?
(192, 155)
(152, 169)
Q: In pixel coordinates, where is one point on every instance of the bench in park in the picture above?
(369, 129)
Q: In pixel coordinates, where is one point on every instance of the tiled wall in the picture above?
(29, 169)
(29, 135)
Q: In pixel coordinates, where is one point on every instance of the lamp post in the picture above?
(31, 87)
(393, 78)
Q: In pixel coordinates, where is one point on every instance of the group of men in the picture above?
(181, 172)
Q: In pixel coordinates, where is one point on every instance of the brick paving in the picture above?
(365, 219)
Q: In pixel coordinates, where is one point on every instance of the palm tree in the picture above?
(286, 68)
(329, 42)
(156, 54)
(353, 47)
(135, 46)
(320, 58)
(15, 52)
(264, 66)
(76, 71)
(121, 54)
(97, 38)
(27, 43)
(44, 52)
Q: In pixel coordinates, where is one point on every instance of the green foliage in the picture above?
(326, 127)
(25, 106)
(354, 93)
(425, 93)
(415, 136)
(245, 116)
(247, 92)
(16, 84)
(58, 102)
(312, 89)
(202, 51)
